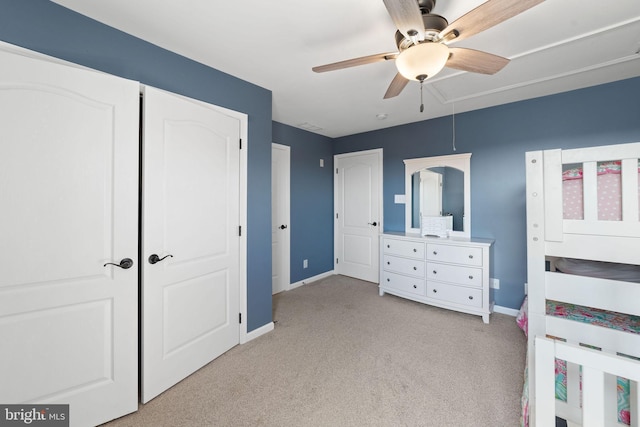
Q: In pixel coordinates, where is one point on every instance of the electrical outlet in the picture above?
(305, 263)
(494, 283)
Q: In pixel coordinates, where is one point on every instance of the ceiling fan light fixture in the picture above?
(424, 59)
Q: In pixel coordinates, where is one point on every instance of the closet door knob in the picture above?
(154, 258)
(374, 223)
(282, 227)
(125, 263)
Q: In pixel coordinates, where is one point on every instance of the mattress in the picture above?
(621, 322)
(599, 269)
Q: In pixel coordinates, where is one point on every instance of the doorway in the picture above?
(280, 217)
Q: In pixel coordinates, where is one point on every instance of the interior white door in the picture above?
(191, 211)
(358, 196)
(430, 193)
(280, 214)
(69, 186)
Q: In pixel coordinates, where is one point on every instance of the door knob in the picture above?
(125, 263)
(154, 258)
(374, 223)
(282, 227)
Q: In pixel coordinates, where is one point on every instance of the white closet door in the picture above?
(358, 196)
(69, 203)
(191, 217)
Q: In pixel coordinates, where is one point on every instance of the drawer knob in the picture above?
(415, 268)
(415, 250)
(470, 256)
(435, 291)
(470, 277)
(435, 272)
(470, 296)
(388, 262)
(415, 287)
(435, 252)
(388, 280)
(388, 246)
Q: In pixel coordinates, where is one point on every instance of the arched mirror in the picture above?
(438, 195)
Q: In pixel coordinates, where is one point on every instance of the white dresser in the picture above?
(444, 272)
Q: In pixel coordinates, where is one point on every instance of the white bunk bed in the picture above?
(595, 380)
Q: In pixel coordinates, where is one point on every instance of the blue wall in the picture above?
(43, 26)
(498, 138)
(311, 200)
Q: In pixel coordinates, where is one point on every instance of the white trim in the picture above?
(312, 279)
(505, 310)
(262, 330)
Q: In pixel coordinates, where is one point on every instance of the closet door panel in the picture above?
(68, 179)
(191, 216)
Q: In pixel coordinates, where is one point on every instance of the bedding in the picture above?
(621, 322)
(609, 192)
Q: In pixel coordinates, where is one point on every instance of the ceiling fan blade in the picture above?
(486, 16)
(397, 84)
(475, 61)
(355, 62)
(407, 17)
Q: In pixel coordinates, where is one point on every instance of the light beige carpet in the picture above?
(341, 355)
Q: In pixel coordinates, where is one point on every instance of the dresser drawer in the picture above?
(455, 294)
(413, 267)
(411, 285)
(455, 254)
(403, 248)
(454, 274)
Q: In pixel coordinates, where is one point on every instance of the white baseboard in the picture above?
(257, 332)
(311, 279)
(505, 310)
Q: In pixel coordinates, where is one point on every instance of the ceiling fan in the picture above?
(422, 39)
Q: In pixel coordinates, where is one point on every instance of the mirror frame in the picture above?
(458, 161)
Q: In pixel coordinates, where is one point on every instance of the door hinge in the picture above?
(336, 171)
(239, 317)
(241, 143)
(336, 215)
(337, 262)
(240, 230)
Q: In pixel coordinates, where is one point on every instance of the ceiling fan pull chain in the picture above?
(453, 121)
(421, 102)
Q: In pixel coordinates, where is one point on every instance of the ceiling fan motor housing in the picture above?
(426, 6)
(433, 25)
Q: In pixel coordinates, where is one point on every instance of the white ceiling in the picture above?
(557, 46)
